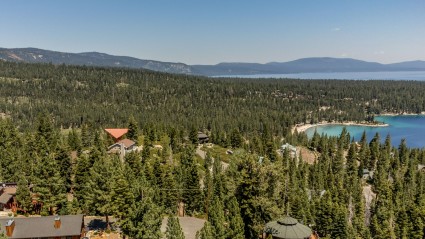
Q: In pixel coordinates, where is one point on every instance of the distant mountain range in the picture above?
(305, 65)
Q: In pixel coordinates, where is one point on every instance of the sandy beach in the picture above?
(303, 127)
(398, 114)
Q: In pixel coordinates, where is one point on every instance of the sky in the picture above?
(214, 31)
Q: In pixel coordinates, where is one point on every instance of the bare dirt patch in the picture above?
(307, 155)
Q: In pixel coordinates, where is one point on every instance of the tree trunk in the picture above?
(108, 227)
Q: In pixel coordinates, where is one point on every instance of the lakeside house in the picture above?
(64, 226)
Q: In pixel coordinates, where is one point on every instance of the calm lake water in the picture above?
(381, 75)
(411, 128)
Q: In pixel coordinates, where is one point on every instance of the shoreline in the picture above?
(303, 127)
(401, 114)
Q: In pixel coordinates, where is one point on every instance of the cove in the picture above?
(409, 127)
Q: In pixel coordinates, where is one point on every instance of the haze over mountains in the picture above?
(305, 65)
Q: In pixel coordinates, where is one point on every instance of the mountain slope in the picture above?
(305, 65)
(89, 59)
(409, 65)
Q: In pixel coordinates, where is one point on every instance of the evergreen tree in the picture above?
(236, 225)
(74, 140)
(63, 160)
(82, 176)
(217, 219)
(192, 196)
(122, 196)
(46, 136)
(133, 129)
(174, 230)
(98, 195)
(256, 209)
(169, 196)
(23, 195)
(218, 184)
(235, 139)
(49, 185)
(86, 138)
(144, 221)
(193, 135)
(206, 232)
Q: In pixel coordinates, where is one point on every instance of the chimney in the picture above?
(57, 222)
(10, 225)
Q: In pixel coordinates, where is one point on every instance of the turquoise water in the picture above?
(381, 75)
(409, 127)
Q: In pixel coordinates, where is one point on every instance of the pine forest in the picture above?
(53, 144)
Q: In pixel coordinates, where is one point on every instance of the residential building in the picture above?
(8, 196)
(51, 227)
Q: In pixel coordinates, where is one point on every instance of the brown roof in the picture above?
(127, 142)
(117, 133)
(10, 190)
(33, 227)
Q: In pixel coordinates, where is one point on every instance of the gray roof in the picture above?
(33, 227)
(288, 228)
(202, 135)
(5, 197)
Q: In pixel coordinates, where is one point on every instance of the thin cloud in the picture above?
(379, 52)
(336, 29)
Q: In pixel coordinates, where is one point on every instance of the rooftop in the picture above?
(117, 133)
(33, 227)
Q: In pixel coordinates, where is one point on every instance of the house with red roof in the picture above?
(121, 145)
(116, 134)
(125, 145)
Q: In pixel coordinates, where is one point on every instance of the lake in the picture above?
(409, 127)
(381, 75)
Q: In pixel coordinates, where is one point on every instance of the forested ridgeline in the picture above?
(106, 97)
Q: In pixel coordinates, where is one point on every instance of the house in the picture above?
(8, 196)
(203, 138)
(123, 147)
(125, 144)
(287, 228)
(64, 226)
(116, 134)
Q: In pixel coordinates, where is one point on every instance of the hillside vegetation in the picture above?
(53, 144)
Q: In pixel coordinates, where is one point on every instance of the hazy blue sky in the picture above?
(213, 31)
